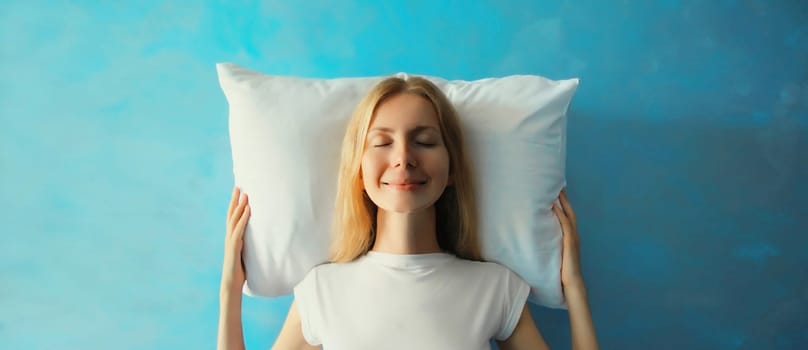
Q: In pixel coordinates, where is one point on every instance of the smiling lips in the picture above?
(405, 185)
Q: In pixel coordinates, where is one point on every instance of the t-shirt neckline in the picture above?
(407, 261)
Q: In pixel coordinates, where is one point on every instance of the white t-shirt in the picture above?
(419, 301)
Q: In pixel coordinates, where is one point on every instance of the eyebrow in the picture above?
(416, 130)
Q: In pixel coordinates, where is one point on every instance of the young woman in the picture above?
(406, 270)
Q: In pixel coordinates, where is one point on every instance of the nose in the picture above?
(403, 157)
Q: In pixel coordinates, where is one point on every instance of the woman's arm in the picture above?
(291, 335)
(230, 336)
(582, 328)
(231, 333)
(572, 281)
(525, 336)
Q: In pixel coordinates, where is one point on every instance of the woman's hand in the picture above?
(582, 328)
(238, 214)
(231, 334)
(571, 276)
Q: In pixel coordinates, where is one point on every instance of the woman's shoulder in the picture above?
(324, 273)
(484, 264)
(485, 267)
(496, 275)
(329, 267)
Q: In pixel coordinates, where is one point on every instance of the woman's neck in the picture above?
(406, 233)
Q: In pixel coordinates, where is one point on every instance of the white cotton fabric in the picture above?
(285, 138)
(418, 301)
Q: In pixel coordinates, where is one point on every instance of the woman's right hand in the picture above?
(238, 213)
(571, 277)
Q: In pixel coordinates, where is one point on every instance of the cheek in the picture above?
(442, 162)
(368, 169)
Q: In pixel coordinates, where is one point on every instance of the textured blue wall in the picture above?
(688, 156)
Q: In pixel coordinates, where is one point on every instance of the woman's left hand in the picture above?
(571, 276)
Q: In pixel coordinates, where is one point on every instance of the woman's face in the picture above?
(405, 167)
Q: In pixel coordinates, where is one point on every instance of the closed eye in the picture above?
(422, 144)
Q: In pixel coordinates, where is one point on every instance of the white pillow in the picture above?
(286, 134)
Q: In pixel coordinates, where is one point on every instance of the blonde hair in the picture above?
(455, 210)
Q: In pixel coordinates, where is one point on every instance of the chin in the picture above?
(406, 208)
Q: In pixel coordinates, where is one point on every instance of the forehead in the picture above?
(403, 111)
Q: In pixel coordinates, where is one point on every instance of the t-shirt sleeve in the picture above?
(306, 300)
(515, 295)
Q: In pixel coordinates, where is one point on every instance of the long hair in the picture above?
(456, 209)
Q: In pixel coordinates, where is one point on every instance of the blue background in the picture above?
(688, 156)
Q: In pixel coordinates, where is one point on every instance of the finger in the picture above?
(243, 265)
(566, 232)
(570, 231)
(242, 223)
(562, 218)
(565, 201)
(242, 202)
(233, 199)
(568, 207)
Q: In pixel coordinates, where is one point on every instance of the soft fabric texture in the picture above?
(419, 301)
(286, 134)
